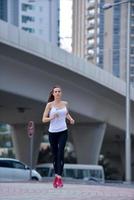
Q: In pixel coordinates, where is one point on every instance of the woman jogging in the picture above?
(56, 113)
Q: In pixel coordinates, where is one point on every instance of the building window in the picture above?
(91, 12)
(132, 50)
(132, 70)
(30, 30)
(26, 19)
(3, 10)
(26, 7)
(91, 41)
(92, 21)
(132, 41)
(132, 60)
(91, 52)
(132, 31)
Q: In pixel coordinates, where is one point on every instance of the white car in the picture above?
(14, 170)
(88, 173)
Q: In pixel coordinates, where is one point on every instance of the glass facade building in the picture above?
(9, 11)
(105, 36)
(39, 17)
(132, 42)
(116, 39)
(3, 10)
(100, 59)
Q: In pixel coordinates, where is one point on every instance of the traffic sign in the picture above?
(30, 128)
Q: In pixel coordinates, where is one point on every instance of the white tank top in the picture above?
(59, 123)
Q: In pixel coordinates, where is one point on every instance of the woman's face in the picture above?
(57, 93)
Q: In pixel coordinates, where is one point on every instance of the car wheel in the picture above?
(34, 179)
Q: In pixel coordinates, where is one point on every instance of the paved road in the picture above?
(45, 191)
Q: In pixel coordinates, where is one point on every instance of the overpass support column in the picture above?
(132, 140)
(21, 142)
(88, 140)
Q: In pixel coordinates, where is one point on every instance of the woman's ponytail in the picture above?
(51, 97)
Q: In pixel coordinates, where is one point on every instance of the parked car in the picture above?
(14, 170)
(88, 173)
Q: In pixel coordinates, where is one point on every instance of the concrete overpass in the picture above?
(29, 67)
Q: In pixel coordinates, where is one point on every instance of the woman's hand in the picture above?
(56, 115)
(72, 121)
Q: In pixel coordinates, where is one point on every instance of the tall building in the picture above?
(101, 35)
(9, 11)
(39, 17)
(79, 28)
(3, 10)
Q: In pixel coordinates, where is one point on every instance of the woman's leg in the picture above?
(60, 156)
(53, 139)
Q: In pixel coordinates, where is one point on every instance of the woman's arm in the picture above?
(69, 117)
(46, 117)
(71, 120)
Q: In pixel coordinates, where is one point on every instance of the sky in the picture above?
(66, 24)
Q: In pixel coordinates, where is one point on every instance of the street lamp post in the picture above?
(128, 134)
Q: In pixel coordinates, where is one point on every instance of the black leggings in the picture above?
(58, 141)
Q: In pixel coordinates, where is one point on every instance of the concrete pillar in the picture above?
(87, 140)
(132, 145)
(22, 142)
(114, 156)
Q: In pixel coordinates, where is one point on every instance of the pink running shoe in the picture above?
(55, 182)
(59, 182)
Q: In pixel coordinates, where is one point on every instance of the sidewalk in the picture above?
(45, 191)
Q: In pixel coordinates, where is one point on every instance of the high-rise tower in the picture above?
(39, 17)
(101, 35)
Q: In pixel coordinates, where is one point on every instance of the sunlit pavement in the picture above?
(45, 191)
